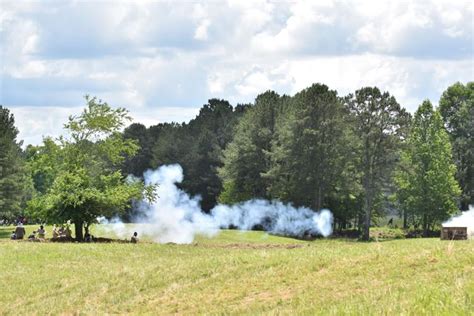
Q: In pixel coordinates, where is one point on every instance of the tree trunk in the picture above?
(368, 188)
(360, 222)
(317, 202)
(78, 230)
(425, 226)
(367, 216)
(405, 219)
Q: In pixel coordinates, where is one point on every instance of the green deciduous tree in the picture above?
(43, 161)
(426, 180)
(457, 109)
(86, 181)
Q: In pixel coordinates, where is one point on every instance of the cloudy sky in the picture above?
(163, 59)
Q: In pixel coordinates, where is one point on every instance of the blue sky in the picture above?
(163, 59)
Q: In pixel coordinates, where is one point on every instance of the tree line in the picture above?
(359, 155)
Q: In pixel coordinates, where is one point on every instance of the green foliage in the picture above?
(313, 149)
(247, 157)
(15, 185)
(78, 178)
(209, 133)
(197, 146)
(380, 125)
(426, 182)
(96, 121)
(317, 150)
(387, 233)
(310, 150)
(138, 163)
(43, 161)
(457, 109)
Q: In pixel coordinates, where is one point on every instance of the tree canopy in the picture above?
(380, 124)
(426, 180)
(14, 183)
(314, 149)
(310, 148)
(457, 109)
(86, 181)
(247, 157)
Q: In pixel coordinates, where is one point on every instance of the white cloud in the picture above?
(409, 80)
(34, 123)
(201, 31)
(160, 59)
(153, 116)
(253, 83)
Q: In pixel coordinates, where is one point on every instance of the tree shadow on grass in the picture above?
(6, 231)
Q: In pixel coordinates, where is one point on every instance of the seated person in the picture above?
(67, 232)
(13, 235)
(55, 232)
(88, 237)
(32, 237)
(134, 238)
(61, 231)
(41, 232)
(20, 231)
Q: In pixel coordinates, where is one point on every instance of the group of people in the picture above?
(36, 235)
(40, 234)
(61, 232)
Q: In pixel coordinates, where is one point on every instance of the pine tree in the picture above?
(380, 123)
(247, 158)
(310, 148)
(14, 183)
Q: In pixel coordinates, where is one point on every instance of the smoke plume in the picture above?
(177, 217)
(466, 219)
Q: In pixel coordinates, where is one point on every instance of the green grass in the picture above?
(239, 273)
(386, 233)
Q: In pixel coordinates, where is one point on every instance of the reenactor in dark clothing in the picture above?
(134, 238)
(390, 222)
(20, 231)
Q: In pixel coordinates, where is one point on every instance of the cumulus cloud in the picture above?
(162, 60)
(35, 122)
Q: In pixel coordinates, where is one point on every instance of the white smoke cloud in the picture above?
(177, 217)
(275, 217)
(116, 226)
(466, 219)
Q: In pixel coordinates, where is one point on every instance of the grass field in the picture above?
(238, 273)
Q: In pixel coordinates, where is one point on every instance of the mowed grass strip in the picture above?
(239, 273)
